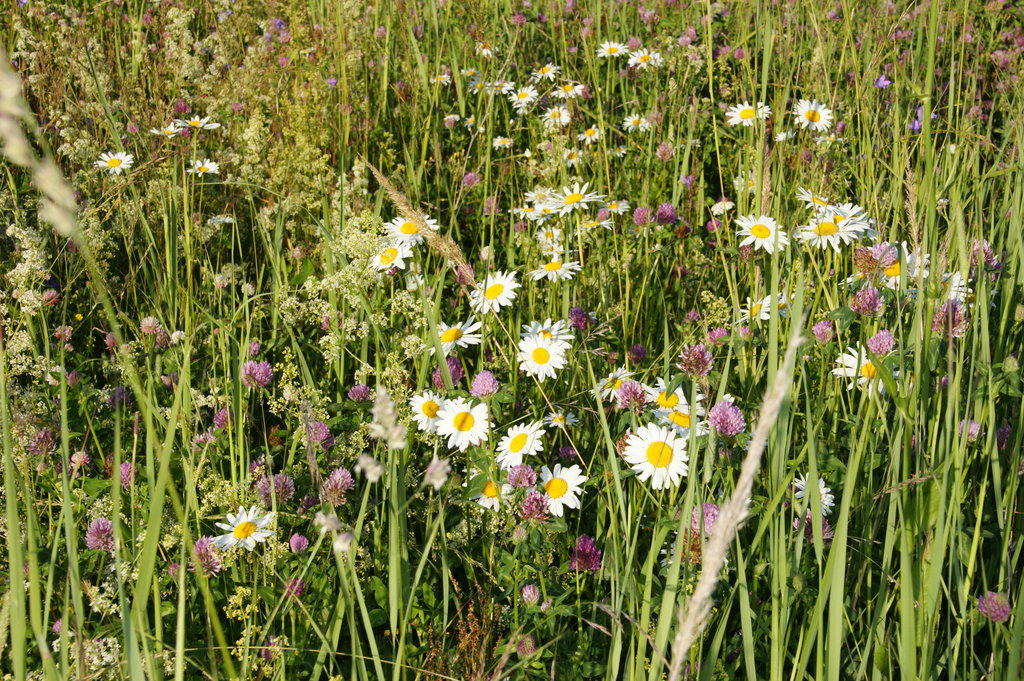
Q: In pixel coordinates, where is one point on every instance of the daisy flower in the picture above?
(858, 367)
(197, 123)
(546, 72)
(636, 123)
(540, 356)
(573, 198)
(485, 49)
(682, 418)
(568, 91)
(613, 382)
(719, 207)
(559, 331)
(590, 135)
(617, 207)
(595, 223)
(813, 115)
(539, 195)
(245, 529)
(563, 487)
(518, 442)
(556, 117)
(784, 135)
(761, 310)
(490, 496)
(740, 183)
(555, 270)
(203, 167)
(523, 97)
(392, 255)
(424, 410)
(561, 419)
(826, 230)
(461, 335)
(658, 454)
(610, 49)
(115, 163)
(852, 217)
(957, 288)
(914, 263)
(526, 211)
(169, 130)
(645, 59)
(572, 158)
(501, 142)
(827, 500)
(497, 291)
(745, 114)
(408, 232)
(762, 232)
(463, 423)
(441, 79)
(811, 200)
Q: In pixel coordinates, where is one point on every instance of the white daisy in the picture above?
(563, 487)
(568, 91)
(856, 365)
(559, 331)
(441, 79)
(825, 493)
(617, 207)
(546, 72)
(745, 114)
(518, 442)
(645, 59)
(490, 497)
(556, 117)
(169, 130)
(408, 232)
(811, 200)
(762, 232)
(392, 255)
(812, 115)
(425, 407)
(461, 335)
(197, 123)
(719, 207)
(463, 423)
(613, 382)
(497, 291)
(555, 270)
(657, 453)
(561, 419)
(572, 198)
(784, 135)
(957, 288)
(761, 310)
(611, 49)
(245, 529)
(501, 142)
(540, 356)
(744, 183)
(115, 163)
(636, 123)
(572, 158)
(829, 229)
(203, 167)
(523, 97)
(590, 135)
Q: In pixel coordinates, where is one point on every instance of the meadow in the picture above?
(517, 339)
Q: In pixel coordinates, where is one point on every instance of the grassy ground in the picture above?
(230, 448)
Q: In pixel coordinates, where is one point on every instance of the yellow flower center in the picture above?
(203, 169)
(826, 228)
(813, 116)
(681, 419)
(893, 270)
(567, 88)
(493, 291)
(553, 266)
(747, 113)
(388, 256)
(113, 162)
(517, 443)
(451, 335)
(645, 58)
(558, 419)
(408, 228)
(667, 401)
(575, 197)
(244, 530)
(490, 490)
(463, 421)
(541, 356)
(544, 69)
(760, 231)
(430, 408)
(868, 370)
(819, 201)
(755, 309)
(659, 454)
(590, 132)
(613, 50)
(556, 487)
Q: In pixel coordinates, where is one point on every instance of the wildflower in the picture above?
(203, 167)
(497, 291)
(855, 365)
(994, 606)
(207, 557)
(540, 356)
(546, 72)
(530, 594)
(555, 270)
(560, 419)
(972, 427)
(586, 557)
(761, 310)
(722, 205)
(658, 454)
(612, 49)
(951, 319)
(293, 588)
(519, 441)
(126, 474)
(491, 494)
(424, 408)
(695, 360)
(115, 163)
(829, 229)
(100, 535)
(572, 198)
(637, 353)
(196, 123)
(170, 130)
(280, 487)
(360, 392)
(556, 117)
(484, 384)
(298, 543)
(813, 115)
(636, 123)
(463, 423)
(613, 382)
(556, 331)
(645, 59)
(461, 335)
(245, 529)
(827, 499)
(534, 506)
(726, 418)
(562, 487)
(867, 302)
(706, 513)
(527, 646)
(579, 319)
(881, 343)
(391, 256)
(761, 232)
(257, 374)
(437, 473)
(824, 331)
(631, 395)
(882, 82)
(745, 114)
(568, 91)
(522, 475)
